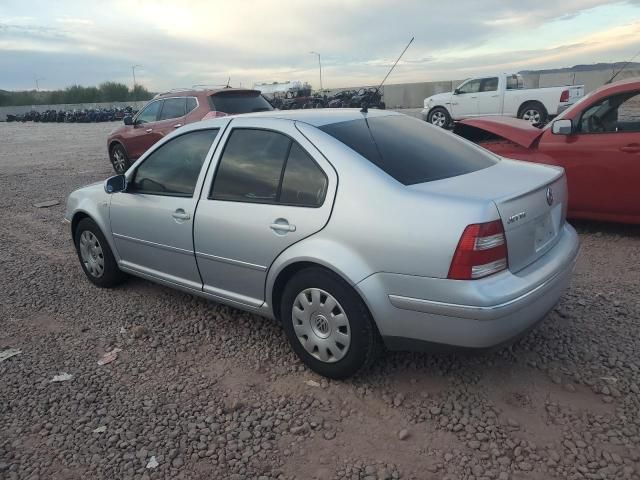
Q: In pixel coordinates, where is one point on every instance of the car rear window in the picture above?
(239, 102)
(408, 149)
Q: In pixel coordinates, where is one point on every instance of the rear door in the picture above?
(489, 97)
(142, 135)
(171, 115)
(152, 222)
(269, 189)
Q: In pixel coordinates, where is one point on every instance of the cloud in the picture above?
(190, 42)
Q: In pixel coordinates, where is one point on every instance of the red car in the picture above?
(596, 141)
(171, 110)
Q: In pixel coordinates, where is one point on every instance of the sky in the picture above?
(181, 43)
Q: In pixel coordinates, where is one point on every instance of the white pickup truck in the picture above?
(502, 94)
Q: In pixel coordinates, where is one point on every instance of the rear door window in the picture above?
(192, 103)
(251, 166)
(173, 108)
(410, 150)
(233, 102)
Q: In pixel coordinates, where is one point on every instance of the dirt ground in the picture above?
(210, 392)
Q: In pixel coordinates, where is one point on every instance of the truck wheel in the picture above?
(328, 325)
(439, 117)
(533, 112)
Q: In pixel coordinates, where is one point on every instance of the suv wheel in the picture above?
(328, 325)
(119, 159)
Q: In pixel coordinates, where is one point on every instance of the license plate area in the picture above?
(546, 228)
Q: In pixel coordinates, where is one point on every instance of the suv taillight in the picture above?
(481, 251)
(564, 96)
(214, 114)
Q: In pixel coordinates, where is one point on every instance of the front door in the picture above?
(152, 222)
(464, 101)
(141, 135)
(602, 157)
(271, 189)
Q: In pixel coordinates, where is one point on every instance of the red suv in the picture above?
(171, 110)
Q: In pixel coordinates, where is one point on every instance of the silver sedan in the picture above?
(356, 230)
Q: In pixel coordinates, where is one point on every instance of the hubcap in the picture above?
(91, 254)
(438, 119)
(119, 161)
(532, 116)
(321, 325)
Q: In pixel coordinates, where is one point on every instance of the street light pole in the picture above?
(37, 79)
(133, 70)
(319, 67)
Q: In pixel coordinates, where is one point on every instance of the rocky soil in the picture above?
(203, 391)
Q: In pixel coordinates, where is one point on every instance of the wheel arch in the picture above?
(115, 142)
(524, 104)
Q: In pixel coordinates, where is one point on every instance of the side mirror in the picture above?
(456, 91)
(562, 127)
(115, 184)
(128, 120)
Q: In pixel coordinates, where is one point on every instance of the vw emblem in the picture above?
(549, 196)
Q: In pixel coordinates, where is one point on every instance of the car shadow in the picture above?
(607, 228)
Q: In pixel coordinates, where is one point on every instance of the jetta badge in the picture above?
(549, 196)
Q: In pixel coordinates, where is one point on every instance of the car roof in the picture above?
(315, 117)
(186, 92)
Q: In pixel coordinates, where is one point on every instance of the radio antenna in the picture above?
(623, 67)
(364, 106)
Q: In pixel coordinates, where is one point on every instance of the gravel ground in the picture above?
(206, 391)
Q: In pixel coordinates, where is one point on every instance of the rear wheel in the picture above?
(119, 159)
(328, 325)
(95, 256)
(439, 117)
(533, 112)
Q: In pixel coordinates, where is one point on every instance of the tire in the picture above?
(354, 341)
(439, 117)
(533, 112)
(119, 159)
(95, 255)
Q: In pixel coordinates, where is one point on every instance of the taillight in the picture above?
(481, 251)
(564, 97)
(214, 114)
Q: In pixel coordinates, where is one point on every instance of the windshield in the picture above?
(410, 150)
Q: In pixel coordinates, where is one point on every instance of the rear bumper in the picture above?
(476, 314)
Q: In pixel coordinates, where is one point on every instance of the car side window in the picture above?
(251, 166)
(514, 82)
(472, 86)
(192, 103)
(303, 182)
(173, 168)
(149, 113)
(618, 113)
(489, 84)
(173, 108)
(263, 166)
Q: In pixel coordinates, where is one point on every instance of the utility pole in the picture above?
(37, 79)
(133, 70)
(319, 67)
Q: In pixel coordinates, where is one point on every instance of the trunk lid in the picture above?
(531, 220)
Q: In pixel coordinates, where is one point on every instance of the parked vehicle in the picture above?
(367, 96)
(596, 141)
(171, 110)
(503, 94)
(353, 229)
(340, 99)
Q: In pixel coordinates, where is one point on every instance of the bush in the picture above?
(106, 92)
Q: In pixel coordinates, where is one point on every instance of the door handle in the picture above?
(282, 227)
(180, 214)
(495, 96)
(177, 125)
(631, 149)
(149, 130)
(473, 97)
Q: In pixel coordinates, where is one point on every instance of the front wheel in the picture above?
(328, 325)
(95, 256)
(119, 159)
(439, 117)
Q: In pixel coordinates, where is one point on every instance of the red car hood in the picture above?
(515, 130)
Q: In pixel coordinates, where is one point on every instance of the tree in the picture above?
(113, 92)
